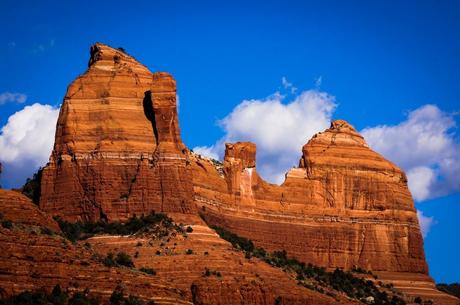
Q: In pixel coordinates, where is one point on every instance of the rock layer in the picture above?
(31, 260)
(118, 150)
(344, 206)
(118, 153)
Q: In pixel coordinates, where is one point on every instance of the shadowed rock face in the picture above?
(118, 152)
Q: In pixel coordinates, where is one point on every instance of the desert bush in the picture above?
(148, 270)
(340, 280)
(82, 230)
(7, 224)
(32, 187)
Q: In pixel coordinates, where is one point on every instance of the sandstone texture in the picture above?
(344, 206)
(240, 280)
(17, 207)
(118, 153)
(30, 259)
(118, 150)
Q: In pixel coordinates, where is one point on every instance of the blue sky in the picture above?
(389, 68)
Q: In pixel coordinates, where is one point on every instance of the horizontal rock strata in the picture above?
(118, 153)
(118, 150)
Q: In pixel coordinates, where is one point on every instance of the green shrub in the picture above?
(82, 230)
(148, 271)
(189, 251)
(189, 229)
(344, 281)
(109, 260)
(453, 289)
(46, 231)
(7, 224)
(237, 241)
(32, 187)
(208, 272)
(59, 296)
(124, 259)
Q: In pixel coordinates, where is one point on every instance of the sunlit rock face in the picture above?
(344, 206)
(118, 150)
(118, 153)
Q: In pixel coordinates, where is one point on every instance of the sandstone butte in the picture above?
(118, 153)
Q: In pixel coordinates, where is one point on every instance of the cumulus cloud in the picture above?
(26, 142)
(278, 127)
(8, 97)
(420, 179)
(207, 151)
(425, 223)
(424, 145)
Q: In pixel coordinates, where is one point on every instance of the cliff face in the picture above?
(118, 150)
(344, 206)
(118, 153)
(31, 259)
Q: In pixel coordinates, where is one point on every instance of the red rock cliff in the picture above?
(344, 206)
(118, 150)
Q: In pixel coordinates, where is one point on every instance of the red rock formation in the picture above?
(31, 260)
(17, 207)
(118, 150)
(240, 280)
(344, 206)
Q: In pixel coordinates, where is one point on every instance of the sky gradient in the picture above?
(391, 69)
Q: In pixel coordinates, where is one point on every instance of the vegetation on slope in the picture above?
(453, 289)
(160, 223)
(32, 187)
(64, 297)
(315, 277)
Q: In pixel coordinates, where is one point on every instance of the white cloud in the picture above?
(288, 85)
(424, 145)
(209, 152)
(425, 223)
(420, 179)
(8, 97)
(278, 128)
(26, 142)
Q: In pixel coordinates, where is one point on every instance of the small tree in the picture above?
(124, 259)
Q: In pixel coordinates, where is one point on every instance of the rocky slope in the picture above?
(118, 153)
(32, 258)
